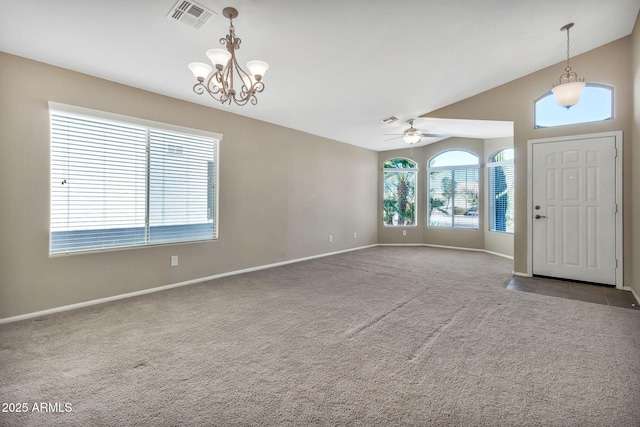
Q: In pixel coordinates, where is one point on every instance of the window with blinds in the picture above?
(124, 182)
(501, 191)
(453, 190)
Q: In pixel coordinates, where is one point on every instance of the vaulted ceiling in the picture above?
(337, 67)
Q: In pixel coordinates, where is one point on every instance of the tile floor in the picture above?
(597, 294)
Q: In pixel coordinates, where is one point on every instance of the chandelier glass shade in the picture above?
(568, 90)
(226, 81)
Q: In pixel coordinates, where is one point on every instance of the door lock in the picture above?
(539, 216)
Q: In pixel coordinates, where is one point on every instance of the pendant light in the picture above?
(569, 88)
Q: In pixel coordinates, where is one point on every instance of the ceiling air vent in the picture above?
(390, 120)
(190, 13)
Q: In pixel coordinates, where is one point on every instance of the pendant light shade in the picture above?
(218, 57)
(257, 68)
(568, 94)
(200, 70)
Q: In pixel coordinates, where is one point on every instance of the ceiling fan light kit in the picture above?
(569, 88)
(413, 135)
(226, 81)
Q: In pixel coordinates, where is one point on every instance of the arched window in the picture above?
(452, 180)
(399, 197)
(501, 179)
(596, 104)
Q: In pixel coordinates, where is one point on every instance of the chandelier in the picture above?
(227, 81)
(569, 89)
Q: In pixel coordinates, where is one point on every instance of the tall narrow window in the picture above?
(119, 183)
(453, 190)
(399, 192)
(501, 191)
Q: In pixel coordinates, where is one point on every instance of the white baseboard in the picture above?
(447, 247)
(633, 292)
(499, 254)
(515, 273)
(171, 286)
(400, 244)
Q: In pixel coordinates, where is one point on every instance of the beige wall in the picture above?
(268, 214)
(282, 192)
(609, 64)
(635, 160)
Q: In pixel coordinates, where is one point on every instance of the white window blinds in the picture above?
(453, 197)
(118, 184)
(501, 196)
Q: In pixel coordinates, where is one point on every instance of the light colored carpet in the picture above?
(383, 336)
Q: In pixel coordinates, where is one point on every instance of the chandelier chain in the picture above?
(568, 68)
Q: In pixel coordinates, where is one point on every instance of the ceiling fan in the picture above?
(413, 135)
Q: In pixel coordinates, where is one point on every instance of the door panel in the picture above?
(574, 209)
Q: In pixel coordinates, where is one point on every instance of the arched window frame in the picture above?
(500, 184)
(392, 214)
(459, 210)
(588, 85)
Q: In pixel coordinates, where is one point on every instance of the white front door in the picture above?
(574, 209)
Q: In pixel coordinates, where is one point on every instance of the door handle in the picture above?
(539, 216)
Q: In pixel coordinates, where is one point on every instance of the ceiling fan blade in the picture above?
(398, 134)
(433, 135)
(391, 139)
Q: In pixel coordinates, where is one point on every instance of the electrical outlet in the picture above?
(174, 260)
(355, 235)
(404, 232)
(330, 238)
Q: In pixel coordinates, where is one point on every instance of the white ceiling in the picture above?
(337, 66)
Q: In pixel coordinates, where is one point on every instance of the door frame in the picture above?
(619, 199)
